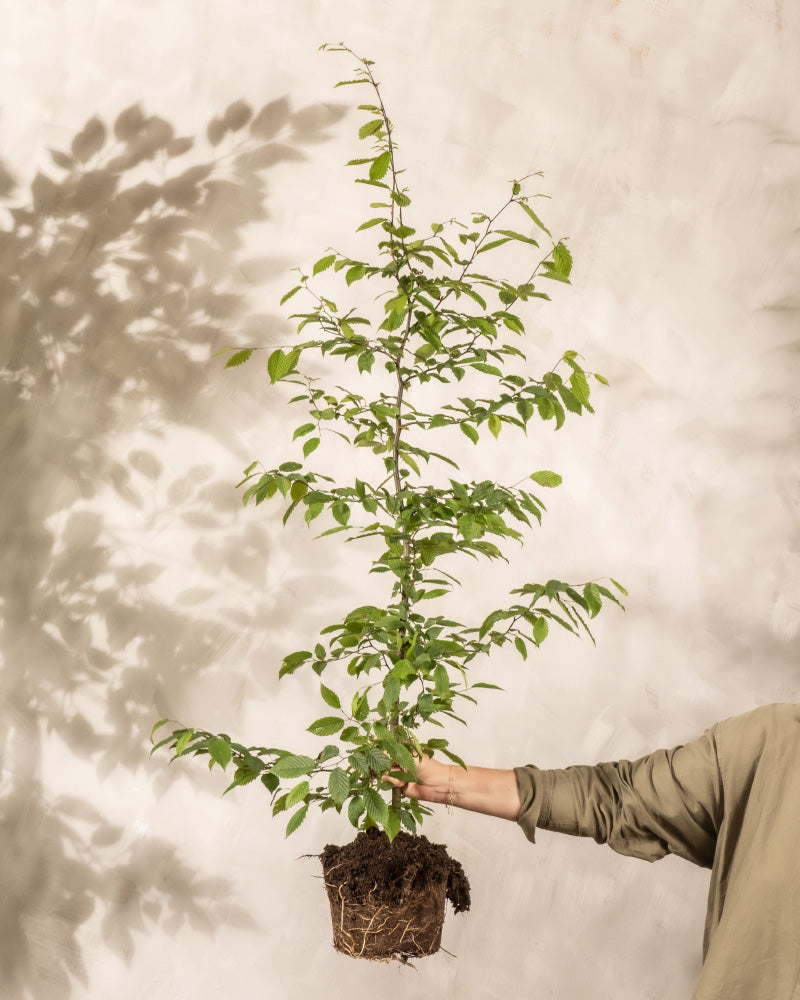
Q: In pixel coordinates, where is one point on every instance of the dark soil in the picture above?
(391, 872)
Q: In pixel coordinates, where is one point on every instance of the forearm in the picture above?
(486, 790)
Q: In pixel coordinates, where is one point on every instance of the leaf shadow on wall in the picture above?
(119, 275)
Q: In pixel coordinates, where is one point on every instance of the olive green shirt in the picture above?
(729, 801)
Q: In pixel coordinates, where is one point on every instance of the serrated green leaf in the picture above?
(341, 511)
(293, 661)
(400, 755)
(296, 820)
(303, 429)
(512, 235)
(619, 586)
(377, 760)
(239, 357)
(391, 691)
(297, 794)
(270, 782)
(370, 128)
(540, 630)
(522, 649)
(183, 741)
(562, 259)
(601, 379)
(219, 750)
(290, 293)
(365, 361)
(547, 478)
(370, 223)
(310, 445)
(376, 806)
(355, 809)
(495, 424)
(470, 431)
(392, 824)
(330, 697)
(326, 726)
(339, 785)
(324, 263)
(580, 386)
(379, 166)
(292, 766)
(532, 215)
(593, 598)
(163, 722)
(298, 490)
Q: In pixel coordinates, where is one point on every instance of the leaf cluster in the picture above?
(442, 314)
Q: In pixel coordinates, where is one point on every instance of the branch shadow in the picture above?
(121, 270)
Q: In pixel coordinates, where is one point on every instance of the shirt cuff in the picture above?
(534, 796)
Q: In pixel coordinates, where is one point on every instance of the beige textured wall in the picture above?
(133, 584)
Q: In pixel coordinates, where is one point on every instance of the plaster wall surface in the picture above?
(133, 585)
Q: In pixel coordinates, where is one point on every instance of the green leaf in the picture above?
(540, 630)
(365, 361)
(355, 809)
(377, 760)
(296, 820)
(593, 598)
(601, 379)
(326, 726)
(379, 166)
(391, 691)
(293, 661)
(324, 263)
(298, 490)
(532, 215)
(495, 423)
(239, 357)
(571, 401)
(163, 722)
(297, 794)
(290, 293)
(220, 750)
(546, 478)
(330, 697)
(470, 431)
(392, 824)
(339, 785)
(400, 755)
(310, 446)
(270, 782)
(370, 223)
(580, 386)
(292, 766)
(303, 429)
(183, 741)
(376, 806)
(370, 128)
(280, 364)
(355, 273)
(341, 511)
(522, 649)
(619, 587)
(512, 235)
(562, 259)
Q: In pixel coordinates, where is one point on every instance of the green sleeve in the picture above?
(667, 802)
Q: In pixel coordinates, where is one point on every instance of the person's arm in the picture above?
(667, 802)
(487, 790)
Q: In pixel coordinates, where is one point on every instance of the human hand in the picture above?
(432, 781)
